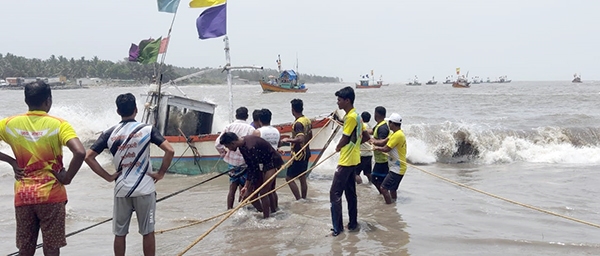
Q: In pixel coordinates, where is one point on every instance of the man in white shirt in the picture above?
(235, 158)
(271, 135)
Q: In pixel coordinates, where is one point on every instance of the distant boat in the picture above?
(502, 80)
(448, 80)
(461, 83)
(414, 81)
(364, 82)
(286, 82)
(432, 81)
(576, 78)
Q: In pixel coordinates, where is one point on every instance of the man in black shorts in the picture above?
(366, 153)
(301, 134)
(256, 151)
(380, 138)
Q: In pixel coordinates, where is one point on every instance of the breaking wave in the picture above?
(458, 142)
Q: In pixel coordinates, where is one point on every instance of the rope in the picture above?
(256, 191)
(496, 196)
(248, 203)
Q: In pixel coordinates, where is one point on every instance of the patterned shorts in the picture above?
(50, 218)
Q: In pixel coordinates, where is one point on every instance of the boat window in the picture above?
(190, 122)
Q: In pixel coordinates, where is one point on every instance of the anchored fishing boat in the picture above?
(287, 81)
(576, 78)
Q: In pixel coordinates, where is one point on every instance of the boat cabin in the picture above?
(192, 117)
(364, 82)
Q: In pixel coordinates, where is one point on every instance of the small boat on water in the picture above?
(502, 80)
(576, 78)
(365, 83)
(448, 80)
(286, 82)
(461, 82)
(432, 81)
(187, 124)
(414, 81)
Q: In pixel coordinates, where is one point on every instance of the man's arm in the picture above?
(299, 129)
(166, 161)
(13, 162)
(380, 142)
(256, 133)
(90, 159)
(365, 136)
(78, 151)
(384, 149)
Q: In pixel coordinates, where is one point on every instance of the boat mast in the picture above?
(228, 68)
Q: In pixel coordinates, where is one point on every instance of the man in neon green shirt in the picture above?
(396, 149)
(349, 148)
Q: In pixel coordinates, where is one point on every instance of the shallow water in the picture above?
(536, 143)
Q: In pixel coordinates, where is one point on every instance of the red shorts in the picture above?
(49, 217)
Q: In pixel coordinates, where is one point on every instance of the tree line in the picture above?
(17, 66)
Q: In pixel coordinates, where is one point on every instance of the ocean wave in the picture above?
(460, 142)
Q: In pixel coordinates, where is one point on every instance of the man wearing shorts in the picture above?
(396, 149)
(36, 140)
(366, 153)
(380, 138)
(234, 158)
(301, 134)
(349, 148)
(129, 143)
(256, 151)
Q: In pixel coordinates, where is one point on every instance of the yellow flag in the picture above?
(457, 71)
(205, 3)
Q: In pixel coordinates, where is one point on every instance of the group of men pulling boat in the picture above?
(251, 151)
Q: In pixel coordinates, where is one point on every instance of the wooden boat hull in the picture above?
(358, 86)
(185, 162)
(267, 87)
(460, 85)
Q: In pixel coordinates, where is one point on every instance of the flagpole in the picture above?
(227, 67)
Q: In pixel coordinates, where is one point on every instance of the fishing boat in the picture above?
(502, 80)
(364, 83)
(414, 81)
(461, 82)
(380, 82)
(186, 124)
(576, 78)
(286, 82)
(432, 81)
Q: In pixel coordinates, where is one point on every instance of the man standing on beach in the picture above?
(380, 138)
(234, 158)
(349, 148)
(129, 143)
(301, 134)
(36, 139)
(396, 149)
(271, 135)
(366, 153)
(256, 152)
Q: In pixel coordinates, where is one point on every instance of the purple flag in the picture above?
(134, 52)
(212, 22)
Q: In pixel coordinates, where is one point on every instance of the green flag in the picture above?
(149, 51)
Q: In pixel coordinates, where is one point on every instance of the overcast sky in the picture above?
(525, 40)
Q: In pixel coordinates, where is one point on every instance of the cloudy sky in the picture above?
(525, 40)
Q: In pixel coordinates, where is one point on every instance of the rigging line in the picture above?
(40, 245)
(255, 192)
(497, 196)
(250, 202)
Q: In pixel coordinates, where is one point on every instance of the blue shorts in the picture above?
(237, 175)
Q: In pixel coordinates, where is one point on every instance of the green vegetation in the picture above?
(17, 66)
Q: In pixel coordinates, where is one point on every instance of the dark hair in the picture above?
(346, 93)
(227, 138)
(125, 104)
(297, 105)
(265, 116)
(256, 115)
(241, 113)
(380, 110)
(36, 93)
(366, 117)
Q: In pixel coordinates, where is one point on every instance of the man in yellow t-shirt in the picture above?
(396, 149)
(36, 139)
(349, 148)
